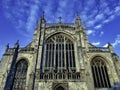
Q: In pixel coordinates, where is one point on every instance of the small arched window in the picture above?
(20, 75)
(60, 88)
(100, 73)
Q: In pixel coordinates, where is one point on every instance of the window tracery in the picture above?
(20, 75)
(59, 54)
(100, 73)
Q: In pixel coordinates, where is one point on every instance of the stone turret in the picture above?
(110, 48)
(42, 21)
(78, 22)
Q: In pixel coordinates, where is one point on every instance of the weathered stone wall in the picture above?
(4, 69)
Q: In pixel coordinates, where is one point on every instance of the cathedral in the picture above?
(59, 57)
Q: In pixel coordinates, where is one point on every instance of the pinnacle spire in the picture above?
(78, 20)
(7, 47)
(60, 19)
(42, 17)
(77, 13)
(77, 16)
(16, 44)
(43, 14)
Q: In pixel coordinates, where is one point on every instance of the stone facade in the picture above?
(80, 76)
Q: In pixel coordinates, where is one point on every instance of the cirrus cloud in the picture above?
(117, 41)
(96, 43)
(25, 13)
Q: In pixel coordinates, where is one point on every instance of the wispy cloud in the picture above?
(98, 26)
(105, 45)
(104, 12)
(117, 41)
(89, 32)
(32, 18)
(90, 23)
(24, 13)
(101, 33)
(96, 43)
(99, 17)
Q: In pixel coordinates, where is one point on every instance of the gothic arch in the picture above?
(21, 58)
(100, 72)
(71, 37)
(60, 87)
(19, 82)
(106, 60)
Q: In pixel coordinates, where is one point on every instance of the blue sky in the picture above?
(18, 19)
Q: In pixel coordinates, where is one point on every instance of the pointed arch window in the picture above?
(59, 54)
(100, 73)
(20, 75)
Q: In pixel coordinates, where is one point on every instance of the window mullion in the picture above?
(71, 55)
(99, 79)
(95, 78)
(45, 57)
(55, 56)
(102, 76)
(65, 53)
(48, 57)
(105, 76)
(51, 56)
(61, 58)
(58, 58)
(68, 56)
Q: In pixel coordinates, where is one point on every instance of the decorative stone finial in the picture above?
(109, 44)
(110, 47)
(77, 16)
(78, 22)
(77, 13)
(60, 19)
(7, 47)
(43, 18)
(16, 44)
(43, 14)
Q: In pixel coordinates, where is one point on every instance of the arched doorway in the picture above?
(59, 88)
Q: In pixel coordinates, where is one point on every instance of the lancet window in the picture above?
(20, 75)
(100, 73)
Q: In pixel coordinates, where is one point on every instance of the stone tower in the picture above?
(59, 58)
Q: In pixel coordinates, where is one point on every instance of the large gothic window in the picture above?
(59, 54)
(20, 75)
(100, 73)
